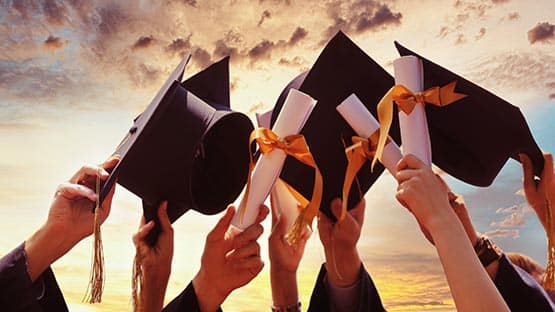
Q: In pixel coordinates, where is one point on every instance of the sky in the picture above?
(74, 74)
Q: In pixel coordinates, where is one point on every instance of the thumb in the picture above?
(528, 173)
(335, 207)
(218, 232)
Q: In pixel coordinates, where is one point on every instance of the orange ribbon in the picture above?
(361, 150)
(406, 101)
(295, 146)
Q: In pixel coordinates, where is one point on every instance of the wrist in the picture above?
(43, 248)
(209, 296)
(284, 287)
(343, 267)
(441, 222)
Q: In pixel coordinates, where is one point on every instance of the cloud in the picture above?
(513, 16)
(542, 32)
(143, 75)
(499, 1)
(54, 43)
(480, 34)
(503, 233)
(513, 220)
(201, 57)
(515, 71)
(262, 50)
(179, 46)
(298, 35)
(460, 39)
(552, 96)
(297, 61)
(511, 209)
(54, 12)
(265, 15)
(192, 3)
(359, 16)
(143, 42)
(23, 80)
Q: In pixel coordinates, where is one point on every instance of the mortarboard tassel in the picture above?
(136, 282)
(549, 276)
(96, 281)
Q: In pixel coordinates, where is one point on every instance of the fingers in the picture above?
(73, 191)
(335, 208)
(528, 174)
(143, 232)
(252, 249)
(358, 211)
(111, 162)
(252, 233)
(410, 161)
(253, 264)
(405, 174)
(89, 171)
(263, 212)
(165, 224)
(218, 232)
(279, 228)
(547, 174)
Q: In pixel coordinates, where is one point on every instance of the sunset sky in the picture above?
(74, 74)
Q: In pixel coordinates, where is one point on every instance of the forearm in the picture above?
(284, 287)
(343, 266)
(209, 298)
(471, 287)
(152, 295)
(43, 248)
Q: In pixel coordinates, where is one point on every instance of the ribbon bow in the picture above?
(361, 150)
(406, 101)
(295, 146)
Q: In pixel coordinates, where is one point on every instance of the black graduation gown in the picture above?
(17, 293)
(520, 290)
(186, 301)
(369, 299)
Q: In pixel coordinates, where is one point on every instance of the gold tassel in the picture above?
(136, 282)
(549, 276)
(96, 281)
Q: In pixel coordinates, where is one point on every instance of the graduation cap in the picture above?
(473, 137)
(188, 147)
(341, 69)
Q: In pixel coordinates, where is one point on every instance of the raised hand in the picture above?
(339, 240)
(229, 261)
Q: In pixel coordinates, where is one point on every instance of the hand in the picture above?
(422, 193)
(284, 261)
(155, 261)
(339, 240)
(70, 218)
(284, 257)
(538, 195)
(71, 211)
(229, 261)
(459, 207)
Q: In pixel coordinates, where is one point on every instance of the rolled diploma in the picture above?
(364, 124)
(415, 137)
(293, 115)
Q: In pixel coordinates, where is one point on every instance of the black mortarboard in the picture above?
(473, 137)
(341, 69)
(187, 147)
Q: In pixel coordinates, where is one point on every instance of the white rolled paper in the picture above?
(285, 203)
(365, 124)
(264, 119)
(415, 136)
(294, 113)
